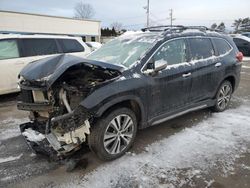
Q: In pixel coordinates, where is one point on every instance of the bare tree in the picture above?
(117, 26)
(84, 11)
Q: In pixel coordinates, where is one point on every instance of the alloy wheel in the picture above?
(118, 134)
(224, 96)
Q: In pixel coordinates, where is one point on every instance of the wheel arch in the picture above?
(232, 80)
(131, 102)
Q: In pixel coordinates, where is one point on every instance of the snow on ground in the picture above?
(9, 128)
(246, 59)
(214, 143)
(11, 158)
(246, 67)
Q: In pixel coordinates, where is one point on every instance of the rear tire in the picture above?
(113, 134)
(223, 96)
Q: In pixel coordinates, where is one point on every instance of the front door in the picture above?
(170, 87)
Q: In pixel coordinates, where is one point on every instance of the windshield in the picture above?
(124, 50)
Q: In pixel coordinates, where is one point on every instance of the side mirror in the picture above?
(160, 65)
(155, 66)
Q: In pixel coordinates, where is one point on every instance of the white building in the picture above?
(16, 22)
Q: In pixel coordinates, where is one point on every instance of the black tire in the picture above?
(104, 127)
(218, 106)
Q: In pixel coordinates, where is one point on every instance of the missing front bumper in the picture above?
(51, 144)
(40, 147)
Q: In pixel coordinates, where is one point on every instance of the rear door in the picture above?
(170, 88)
(73, 47)
(9, 58)
(206, 68)
(33, 49)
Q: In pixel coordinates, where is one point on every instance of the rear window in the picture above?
(222, 46)
(201, 48)
(70, 45)
(34, 47)
(239, 41)
(8, 49)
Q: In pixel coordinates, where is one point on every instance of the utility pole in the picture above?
(147, 12)
(171, 17)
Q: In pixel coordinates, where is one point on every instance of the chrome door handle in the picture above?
(186, 75)
(217, 64)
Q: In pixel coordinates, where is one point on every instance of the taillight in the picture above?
(239, 56)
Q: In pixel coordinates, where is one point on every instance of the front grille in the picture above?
(26, 96)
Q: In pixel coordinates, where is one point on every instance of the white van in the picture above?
(17, 50)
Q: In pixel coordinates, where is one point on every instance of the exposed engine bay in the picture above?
(58, 124)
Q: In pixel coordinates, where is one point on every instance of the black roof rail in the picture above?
(163, 28)
(201, 28)
(170, 28)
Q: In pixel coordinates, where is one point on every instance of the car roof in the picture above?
(242, 37)
(169, 32)
(9, 36)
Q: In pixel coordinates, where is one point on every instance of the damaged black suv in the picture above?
(134, 81)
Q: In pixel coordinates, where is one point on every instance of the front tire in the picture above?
(223, 96)
(113, 134)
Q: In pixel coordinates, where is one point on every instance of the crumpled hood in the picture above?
(51, 68)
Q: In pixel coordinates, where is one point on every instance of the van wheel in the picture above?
(113, 134)
(223, 96)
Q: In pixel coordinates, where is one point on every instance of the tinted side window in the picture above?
(34, 47)
(8, 49)
(222, 46)
(172, 52)
(70, 45)
(201, 48)
(92, 39)
(239, 41)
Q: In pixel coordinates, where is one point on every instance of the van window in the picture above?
(92, 39)
(201, 48)
(70, 45)
(8, 49)
(173, 52)
(34, 47)
(239, 41)
(222, 46)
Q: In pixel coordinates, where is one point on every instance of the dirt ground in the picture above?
(25, 169)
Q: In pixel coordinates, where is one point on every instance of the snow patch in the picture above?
(245, 67)
(136, 75)
(140, 36)
(8, 159)
(192, 31)
(9, 128)
(246, 59)
(32, 135)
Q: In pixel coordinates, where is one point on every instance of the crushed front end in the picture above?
(54, 128)
(52, 90)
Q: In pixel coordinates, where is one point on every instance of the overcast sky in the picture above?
(132, 15)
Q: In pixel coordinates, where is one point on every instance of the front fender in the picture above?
(105, 97)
